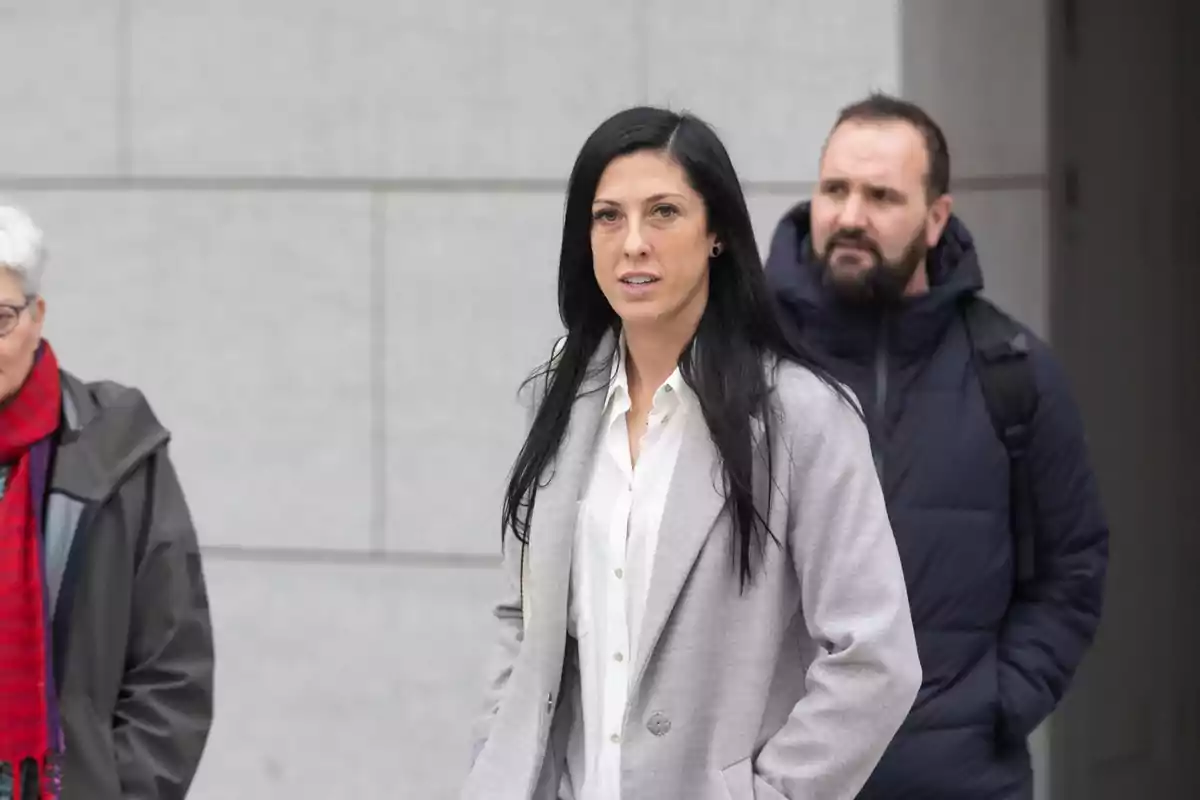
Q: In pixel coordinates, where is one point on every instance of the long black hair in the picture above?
(724, 362)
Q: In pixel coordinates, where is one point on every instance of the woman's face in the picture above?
(650, 241)
(22, 320)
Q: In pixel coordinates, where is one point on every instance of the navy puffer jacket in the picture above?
(995, 661)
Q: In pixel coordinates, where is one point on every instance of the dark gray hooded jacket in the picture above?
(132, 640)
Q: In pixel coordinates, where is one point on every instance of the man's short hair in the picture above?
(881, 107)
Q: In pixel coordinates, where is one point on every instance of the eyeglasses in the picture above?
(10, 315)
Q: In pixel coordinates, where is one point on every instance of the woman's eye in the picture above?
(665, 211)
(604, 215)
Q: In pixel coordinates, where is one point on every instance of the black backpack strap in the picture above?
(1001, 353)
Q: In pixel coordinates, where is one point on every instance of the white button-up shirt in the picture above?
(615, 540)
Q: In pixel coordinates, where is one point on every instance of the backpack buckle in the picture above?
(1016, 347)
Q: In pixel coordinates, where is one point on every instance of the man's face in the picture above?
(872, 220)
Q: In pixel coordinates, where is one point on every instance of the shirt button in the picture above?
(615, 738)
(620, 573)
(618, 657)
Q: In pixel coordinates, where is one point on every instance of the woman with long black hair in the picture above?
(706, 598)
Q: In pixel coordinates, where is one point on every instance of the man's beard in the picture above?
(883, 282)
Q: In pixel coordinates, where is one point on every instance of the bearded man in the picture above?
(977, 441)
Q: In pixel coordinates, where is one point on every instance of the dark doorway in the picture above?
(1124, 278)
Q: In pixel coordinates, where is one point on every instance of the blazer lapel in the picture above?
(553, 535)
(547, 576)
(694, 502)
(556, 513)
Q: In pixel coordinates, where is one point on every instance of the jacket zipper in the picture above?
(881, 390)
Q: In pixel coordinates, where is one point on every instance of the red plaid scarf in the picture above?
(29, 417)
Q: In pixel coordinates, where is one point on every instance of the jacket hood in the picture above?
(108, 431)
(798, 285)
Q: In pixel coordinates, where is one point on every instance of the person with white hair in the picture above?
(106, 653)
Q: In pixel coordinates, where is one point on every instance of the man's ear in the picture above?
(937, 219)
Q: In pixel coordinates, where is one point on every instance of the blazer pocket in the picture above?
(742, 784)
(739, 780)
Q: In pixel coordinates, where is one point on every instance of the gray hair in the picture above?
(22, 251)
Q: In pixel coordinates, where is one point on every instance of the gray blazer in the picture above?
(790, 690)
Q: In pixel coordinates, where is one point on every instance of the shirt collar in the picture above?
(618, 380)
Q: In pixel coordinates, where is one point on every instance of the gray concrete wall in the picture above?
(322, 237)
(981, 69)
